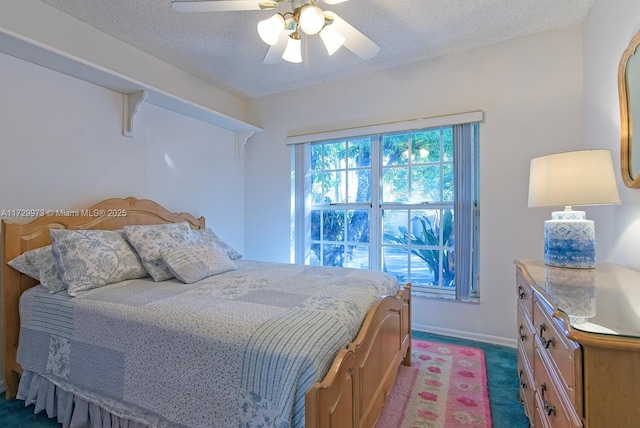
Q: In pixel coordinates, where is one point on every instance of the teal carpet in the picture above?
(506, 410)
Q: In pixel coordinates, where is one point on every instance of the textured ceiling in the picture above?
(224, 47)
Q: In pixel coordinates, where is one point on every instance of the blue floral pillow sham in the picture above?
(41, 265)
(148, 240)
(88, 259)
(207, 236)
(24, 265)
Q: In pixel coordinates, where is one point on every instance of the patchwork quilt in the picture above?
(236, 349)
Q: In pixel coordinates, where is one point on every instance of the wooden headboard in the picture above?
(17, 238)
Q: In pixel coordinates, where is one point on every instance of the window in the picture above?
(400, 201)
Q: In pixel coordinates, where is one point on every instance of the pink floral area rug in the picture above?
(446, 387)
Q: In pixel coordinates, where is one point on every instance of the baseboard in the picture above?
(495, 340)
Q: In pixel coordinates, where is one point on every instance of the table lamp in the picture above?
(583, 177)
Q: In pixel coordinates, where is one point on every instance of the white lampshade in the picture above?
(269, 29)
(582, 177)
(293, 52)
(332, 39)
(311, 19)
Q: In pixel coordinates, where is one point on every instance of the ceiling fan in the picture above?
(282, 30)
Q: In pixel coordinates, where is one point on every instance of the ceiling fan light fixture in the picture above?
(311, 19)
(269, 29)
(293, 52)
(282, 31)
(332, 39)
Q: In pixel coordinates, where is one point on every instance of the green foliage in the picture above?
(428, 235)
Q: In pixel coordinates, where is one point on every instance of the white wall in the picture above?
(607, 33)
(62, 147)
(531, 92)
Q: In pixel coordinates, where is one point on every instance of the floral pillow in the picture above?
(148, 240)
(23, 264)
(41, 265)
(88, 259)
(207, 236)
(191, 263)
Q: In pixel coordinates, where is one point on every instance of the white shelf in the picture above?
(136, 93)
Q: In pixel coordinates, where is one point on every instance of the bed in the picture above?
(350, 392)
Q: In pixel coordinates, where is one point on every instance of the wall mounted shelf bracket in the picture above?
(131, 104)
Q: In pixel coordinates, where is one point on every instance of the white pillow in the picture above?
(89, 259)
(148, 240)
(191, 263)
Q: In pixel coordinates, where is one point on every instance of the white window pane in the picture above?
(395, 226)
(359, 186)
(395, 150)
(357, 257)
(359, 153)
(358, 226)
(426, 184)
(395, 184)
(422, 272)
(395, 262)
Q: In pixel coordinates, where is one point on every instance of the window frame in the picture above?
(301, 211)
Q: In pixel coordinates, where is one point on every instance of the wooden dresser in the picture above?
(579, 345)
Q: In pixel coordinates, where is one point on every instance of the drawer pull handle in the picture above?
(521, 293)
(522, 384)
(546, 342)
(523, 336)
(547, 409)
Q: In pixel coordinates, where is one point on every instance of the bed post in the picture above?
(11, 291)
(406, 327)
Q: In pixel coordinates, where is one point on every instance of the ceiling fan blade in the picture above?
(274, 54)
(334, 1)
(221, 5)
(355, 41)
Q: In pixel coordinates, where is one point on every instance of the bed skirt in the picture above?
(75, 409)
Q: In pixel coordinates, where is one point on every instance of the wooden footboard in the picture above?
(354, 390)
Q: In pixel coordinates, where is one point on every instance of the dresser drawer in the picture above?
(526, 334)
(553, 407)
(564, 354)
(526, 385)
(524, 292)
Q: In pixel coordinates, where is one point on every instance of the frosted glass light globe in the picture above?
(331, 39)
(311, 19)
(269, 29)
(293, 52)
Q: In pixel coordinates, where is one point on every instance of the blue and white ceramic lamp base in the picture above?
(569, 240)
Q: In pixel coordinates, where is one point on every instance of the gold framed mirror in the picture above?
(629, 92)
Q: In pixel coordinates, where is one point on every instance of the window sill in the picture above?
(440, 296)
